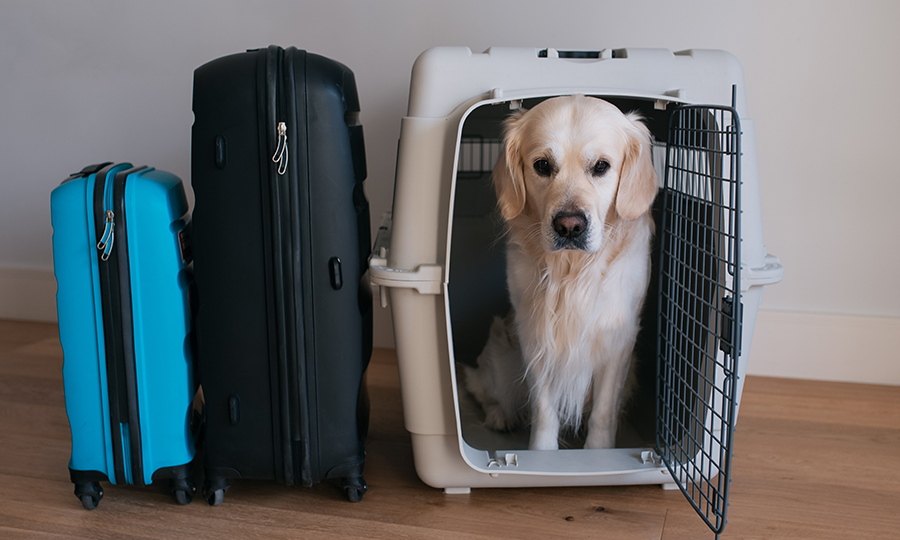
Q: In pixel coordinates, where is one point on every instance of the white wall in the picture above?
(89, 81)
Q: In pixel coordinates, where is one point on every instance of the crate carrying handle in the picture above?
(425, 278)
(771, 272)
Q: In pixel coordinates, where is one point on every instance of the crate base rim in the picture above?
(440, 464)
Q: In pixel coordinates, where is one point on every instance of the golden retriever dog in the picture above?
(574, 184)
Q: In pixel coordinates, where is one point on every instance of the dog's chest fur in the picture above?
(578, 308)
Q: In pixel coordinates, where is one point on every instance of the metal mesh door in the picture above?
(699, 305)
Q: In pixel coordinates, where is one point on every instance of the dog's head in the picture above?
(573, 166)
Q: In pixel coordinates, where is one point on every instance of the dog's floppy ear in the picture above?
(509, 172)
(637, 181)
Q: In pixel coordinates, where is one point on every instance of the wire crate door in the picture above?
(699, 305)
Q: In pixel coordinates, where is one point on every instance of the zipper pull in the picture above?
(106, 240)
(281, 152)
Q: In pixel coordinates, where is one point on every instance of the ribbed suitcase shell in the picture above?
(284, 323)
(160, 329)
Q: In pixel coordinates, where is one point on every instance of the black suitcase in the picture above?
(281, 237)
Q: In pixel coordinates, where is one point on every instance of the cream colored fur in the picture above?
(570, 337)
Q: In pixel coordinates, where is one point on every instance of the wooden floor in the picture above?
(812, 460)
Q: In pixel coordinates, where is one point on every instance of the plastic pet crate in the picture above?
(439, 263)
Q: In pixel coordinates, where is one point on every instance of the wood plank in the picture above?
(9, 533)
(17, 333)
(45, 420)
(22, 362)
(825, 402)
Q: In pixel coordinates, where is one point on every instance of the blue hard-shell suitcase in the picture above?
(121, 256)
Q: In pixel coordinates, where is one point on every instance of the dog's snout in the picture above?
(569, 225)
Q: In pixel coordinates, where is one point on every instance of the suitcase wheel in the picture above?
(214, 491)
(354, 488)
(88, 502)
(183, 497)
(183, 490)
(89, 494)
(215, 497)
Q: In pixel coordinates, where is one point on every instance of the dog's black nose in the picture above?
(569, 225)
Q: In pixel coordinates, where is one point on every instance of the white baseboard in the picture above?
(847, 348)
(27, 294)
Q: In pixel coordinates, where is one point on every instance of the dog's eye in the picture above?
(600, 168)
(542, 167)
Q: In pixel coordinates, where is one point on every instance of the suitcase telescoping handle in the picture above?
(90, 169)
(425, 278)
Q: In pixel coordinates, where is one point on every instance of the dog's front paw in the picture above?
(544, 441)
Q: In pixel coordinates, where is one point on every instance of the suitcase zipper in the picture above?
(106, 240)
(281, 151)
(133, 446)
(109, 296)
(115, 291)
(281, 359)
(105, 244)
(288, 414)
